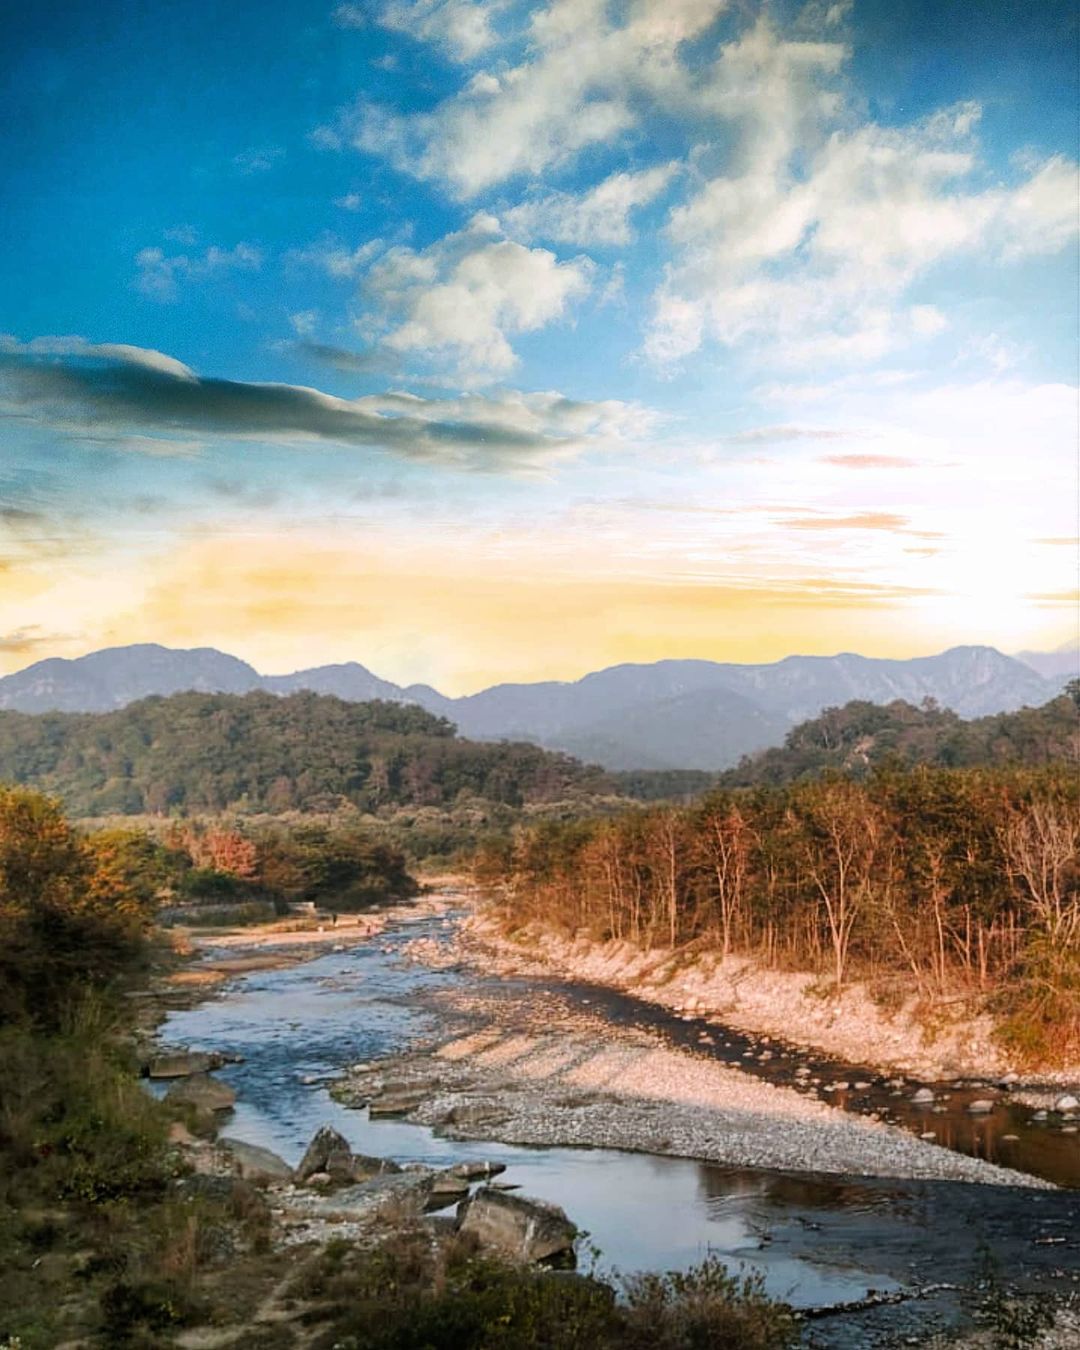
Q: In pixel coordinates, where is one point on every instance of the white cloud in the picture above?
(599, 216)
(461, 28)
(337, 260)
(541, 413)
(806, 243)
(459, 301)
(351, 201)
(1040, 216)
(258, 161)
(350, 16)
(159, 274)
(927, 320)
(581, 85)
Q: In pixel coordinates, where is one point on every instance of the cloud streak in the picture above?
(73, 383)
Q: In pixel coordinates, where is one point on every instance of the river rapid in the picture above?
(817, 1241)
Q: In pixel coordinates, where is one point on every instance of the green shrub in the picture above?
(408, 1295)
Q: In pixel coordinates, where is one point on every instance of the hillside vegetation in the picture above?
(213, 753)
(860, 737)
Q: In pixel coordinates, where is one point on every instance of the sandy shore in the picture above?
(785, 1005)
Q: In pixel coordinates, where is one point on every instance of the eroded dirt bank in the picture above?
(788, 1005)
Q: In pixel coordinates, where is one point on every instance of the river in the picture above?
(815, 1240)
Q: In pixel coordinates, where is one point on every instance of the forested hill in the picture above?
(861, 736)
(259, 752)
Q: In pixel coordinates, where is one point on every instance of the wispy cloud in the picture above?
(600, 216)
(786, 432)
(160, 274)
(25, 641)
(870, 461)
(859, 520)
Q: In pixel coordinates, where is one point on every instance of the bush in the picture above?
(406, 1295)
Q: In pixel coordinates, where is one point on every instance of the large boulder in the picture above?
(329, 1155)
(363, 1167)
(447, 1189)
(394, 1104)
(519, 1227)
(328, 1152)
(254, 1163)
(394, 1197)
(203, 1092)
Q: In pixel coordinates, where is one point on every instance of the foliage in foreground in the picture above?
(410, 1294)
(68, 919)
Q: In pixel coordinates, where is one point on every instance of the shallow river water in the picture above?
(815, 1240)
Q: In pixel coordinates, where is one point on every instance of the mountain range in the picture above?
(681, 714)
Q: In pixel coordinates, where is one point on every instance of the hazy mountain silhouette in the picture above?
(669, 714)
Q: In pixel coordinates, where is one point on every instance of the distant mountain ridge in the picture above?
(675, 714)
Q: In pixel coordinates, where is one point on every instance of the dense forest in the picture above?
(209, 754)
(859, 737)
(259, 753)
(933, 880)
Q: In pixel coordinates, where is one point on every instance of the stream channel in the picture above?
(818, 1241)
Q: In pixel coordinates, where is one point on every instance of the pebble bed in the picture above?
(584, 1083)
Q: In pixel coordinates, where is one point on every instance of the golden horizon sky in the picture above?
(511, 342)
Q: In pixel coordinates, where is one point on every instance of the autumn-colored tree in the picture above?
(66, 918)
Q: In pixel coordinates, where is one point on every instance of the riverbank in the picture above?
(584, 1081)
(956, 1041)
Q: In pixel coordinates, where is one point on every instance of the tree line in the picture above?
(930, 879)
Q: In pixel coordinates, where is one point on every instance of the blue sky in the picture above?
(595, 331)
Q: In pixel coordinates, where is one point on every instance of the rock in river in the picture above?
(522, 1228)
(981, 1106)
(1066, 1102)
(202, 1091)
(394, 1104)
(474, 1171)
